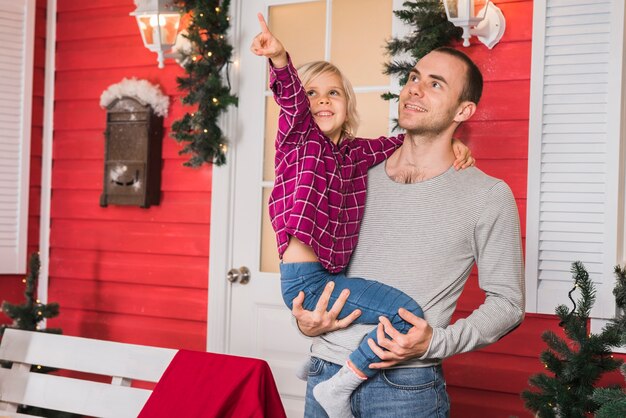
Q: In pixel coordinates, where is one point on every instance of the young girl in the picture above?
(317, 203)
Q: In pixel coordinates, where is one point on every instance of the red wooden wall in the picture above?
(121, 273)
(140, 275)
(487, 383)
(11, 286)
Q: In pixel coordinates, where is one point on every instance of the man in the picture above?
(425, 226)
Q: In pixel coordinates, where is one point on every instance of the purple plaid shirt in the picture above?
(319, 191)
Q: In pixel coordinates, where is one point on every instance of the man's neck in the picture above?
(420, 158)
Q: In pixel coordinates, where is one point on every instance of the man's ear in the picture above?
(466, 110)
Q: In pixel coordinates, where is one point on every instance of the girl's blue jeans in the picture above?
(374, 299)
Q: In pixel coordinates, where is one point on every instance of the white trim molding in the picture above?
(575, 161)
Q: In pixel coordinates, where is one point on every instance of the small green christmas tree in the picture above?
(575, 365)
(612, 401)
(29, 314)
(432, 30)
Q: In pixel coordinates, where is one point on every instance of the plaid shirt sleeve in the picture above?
(370, 152)
(295, 120)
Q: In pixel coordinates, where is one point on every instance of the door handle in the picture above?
(242, 274)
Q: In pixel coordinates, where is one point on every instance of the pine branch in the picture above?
(432, 30)
(575, 365)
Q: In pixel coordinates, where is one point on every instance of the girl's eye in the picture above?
(334, 93)
(310, 93)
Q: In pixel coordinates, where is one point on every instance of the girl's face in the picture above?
(328, 104)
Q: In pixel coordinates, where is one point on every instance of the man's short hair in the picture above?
(473, 88)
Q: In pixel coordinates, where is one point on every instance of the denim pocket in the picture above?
(316, 366)
(414, 379)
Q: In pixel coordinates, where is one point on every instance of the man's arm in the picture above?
(497, 249)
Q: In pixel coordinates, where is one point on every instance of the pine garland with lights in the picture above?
(206, 65)
(432, 30)
(575, 365)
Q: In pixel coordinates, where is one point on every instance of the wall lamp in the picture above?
(488, 24)
(158, 22)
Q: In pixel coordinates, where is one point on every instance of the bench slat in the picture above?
(86, 355)
(72, 395)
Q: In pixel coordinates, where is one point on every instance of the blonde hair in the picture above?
(309, 71)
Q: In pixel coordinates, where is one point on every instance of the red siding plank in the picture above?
(68, 6)
(88, 175)
(495, 139)
(159, 332)
(496, 106)
(491, 371)
(103, 23)
(129, 299)
(141, 269)
(174, 207)
(507, 61)
(89, 145)
(89, 85)
(471, 403)
(133, 237)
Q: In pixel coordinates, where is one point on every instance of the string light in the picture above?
(217, 9)
(206, 130)
(209, 54)
(215, 100)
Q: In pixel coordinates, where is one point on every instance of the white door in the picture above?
(351, 34)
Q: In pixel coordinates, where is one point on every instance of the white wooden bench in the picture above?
(122, 362)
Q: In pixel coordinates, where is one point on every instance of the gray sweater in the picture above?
(423, 239)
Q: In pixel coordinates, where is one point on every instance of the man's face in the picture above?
(429, 101)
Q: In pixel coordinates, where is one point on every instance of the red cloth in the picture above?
(197, 384)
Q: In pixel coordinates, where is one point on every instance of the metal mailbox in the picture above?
(132, 154)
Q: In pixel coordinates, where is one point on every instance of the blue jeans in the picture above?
(417, 392)
(374, 299)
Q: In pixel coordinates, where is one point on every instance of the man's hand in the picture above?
(321, 321)
(266, 45)
(401, 347)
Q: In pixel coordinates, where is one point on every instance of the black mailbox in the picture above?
(132, 154)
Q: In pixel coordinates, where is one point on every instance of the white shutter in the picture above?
(574, 145)
(17, 24)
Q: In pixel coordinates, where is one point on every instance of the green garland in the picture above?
(432, 30)
(206, 65)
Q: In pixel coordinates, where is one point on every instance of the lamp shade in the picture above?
(461, 13)
(158, 22)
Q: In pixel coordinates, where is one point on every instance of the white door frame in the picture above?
(222, 205)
